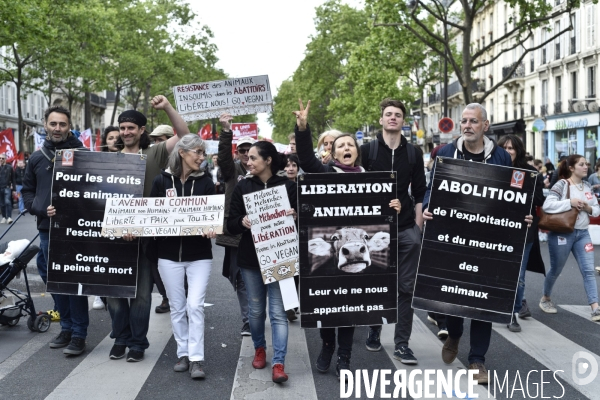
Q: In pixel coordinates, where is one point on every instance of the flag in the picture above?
(98, 146)
(206, 132)
(7, 145)
(39, 139)
(86, 138)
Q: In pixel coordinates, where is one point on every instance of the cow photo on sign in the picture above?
(348, 249)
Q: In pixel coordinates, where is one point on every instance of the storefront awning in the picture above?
(505, 128)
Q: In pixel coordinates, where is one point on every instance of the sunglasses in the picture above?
(243, 151)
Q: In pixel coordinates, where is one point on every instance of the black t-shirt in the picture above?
(479, 157)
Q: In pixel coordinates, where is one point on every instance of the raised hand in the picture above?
(160, 102)
(302, 115)
(225, 121)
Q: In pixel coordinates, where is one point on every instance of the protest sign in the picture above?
(236, 96)
(274, 233)
(164, 216)
(241, 130)
(472, 249)
(81, 261)
(348, 249)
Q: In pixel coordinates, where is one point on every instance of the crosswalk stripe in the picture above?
(102, 378)
(428, 350)
(256, 384)
(583, 311)
(555, 351)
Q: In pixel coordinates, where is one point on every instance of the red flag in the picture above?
(98, 146)
(206, 132)
(7, 145)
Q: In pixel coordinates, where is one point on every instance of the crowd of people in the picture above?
(180, 267)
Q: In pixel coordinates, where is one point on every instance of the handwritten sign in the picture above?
(275, 235)
(164, 216)
(237, 96)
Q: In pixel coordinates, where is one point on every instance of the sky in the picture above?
(260, 37)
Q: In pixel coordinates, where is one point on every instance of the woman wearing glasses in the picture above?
(190, 256)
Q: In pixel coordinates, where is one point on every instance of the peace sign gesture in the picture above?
(302, 115)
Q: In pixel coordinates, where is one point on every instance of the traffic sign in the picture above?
(359, 135)
(538, 125)
(446, 125)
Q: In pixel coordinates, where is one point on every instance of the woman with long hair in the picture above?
(346, 158)
(263, 164)
(186, 256)
(325, 143)
(110, 138)
(532, 258)
(572, 173)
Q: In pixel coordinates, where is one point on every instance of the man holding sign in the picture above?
(471, 146)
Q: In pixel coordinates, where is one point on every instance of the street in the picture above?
(535, 363)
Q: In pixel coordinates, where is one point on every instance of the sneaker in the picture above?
(196, 371)
(405, 355)
(163, 307)
(433, 321)
(62, 340)
(135, 356)
(54, 315)
(279, 374)
(9, 221)
(548, 307)
(596, 315)
(291, 315)
(98, 304)
(117, 352)
(597, 269)
(514, 325)
(443, 333)
(260, 358)
(525, 312)
(3, 221)
(183, 364)
(75, 347)
(343, 363)
(482, 376)
(246, 330)
(324, 360)
(373, 343)
(450, 350)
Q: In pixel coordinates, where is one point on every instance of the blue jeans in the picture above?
(131, 317)
(481, 333)
(42, 260)
(574, 242)
(521, 286)
(74, 315)
(21, 204)
(257, 302)
(6, 202)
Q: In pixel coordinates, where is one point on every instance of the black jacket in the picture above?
(37, 184)
(415, 177)
(19, 175)
(183, 248)
(246, 255)
(7, 177)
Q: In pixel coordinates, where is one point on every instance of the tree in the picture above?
(455, 22)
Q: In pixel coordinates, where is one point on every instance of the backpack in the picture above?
(374, 146)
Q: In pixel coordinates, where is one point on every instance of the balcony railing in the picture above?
(97, 101)
(518, 73)
(544, 110)
(572, 46)
(435, 98)
(558, 107)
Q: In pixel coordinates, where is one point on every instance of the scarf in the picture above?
(347, 168)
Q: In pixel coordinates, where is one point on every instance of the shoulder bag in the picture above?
(563, 222)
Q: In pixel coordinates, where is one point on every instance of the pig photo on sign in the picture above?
(350, 249)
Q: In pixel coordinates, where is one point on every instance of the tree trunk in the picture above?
(87, 112)
(117, 99)
(20, 131)
(147, 99)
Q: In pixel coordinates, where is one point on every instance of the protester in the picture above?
(594, 180)
(19, 176)
(473, 145)
(161, 133)
(215, 172)
(346, 158)
(292, 141)
(324, 143)
(232, 172)
(532, 256)
(7, 186)
(181, 257)
(72, 311)
(292, 166)
(572, 171)
(263, 165)
(130, 317)
(110, 138)
(394, 153)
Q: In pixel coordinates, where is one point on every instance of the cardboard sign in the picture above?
(348, 249)
(81, 261)
(274, 233)
(472, 249)
(164, 216)
(236, 96)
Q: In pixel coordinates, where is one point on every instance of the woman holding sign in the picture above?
(263, 164)
(190, 256)
(346, 158)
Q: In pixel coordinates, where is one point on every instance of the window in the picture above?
(532, 99)
(591, 22)
(506, 107)
(558, 83)
(13, 101)
(3, 99)
(591, 92)
(574, 85)
(557, 41)
(545, 91)
(491, 110)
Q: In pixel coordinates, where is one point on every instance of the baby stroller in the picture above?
(23, 305)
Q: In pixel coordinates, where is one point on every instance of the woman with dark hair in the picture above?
(263, 164)
(346, 158)
(190, 256)
(571, 172)
(532, 257)
(292, 167)
(110, 138)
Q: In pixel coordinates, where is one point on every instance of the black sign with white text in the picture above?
(473, 247)
(81, 261)
(348, 249)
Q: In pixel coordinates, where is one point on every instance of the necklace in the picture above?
(575, 184)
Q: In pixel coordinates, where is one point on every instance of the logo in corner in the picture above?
(67, 158)
(517, 179)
